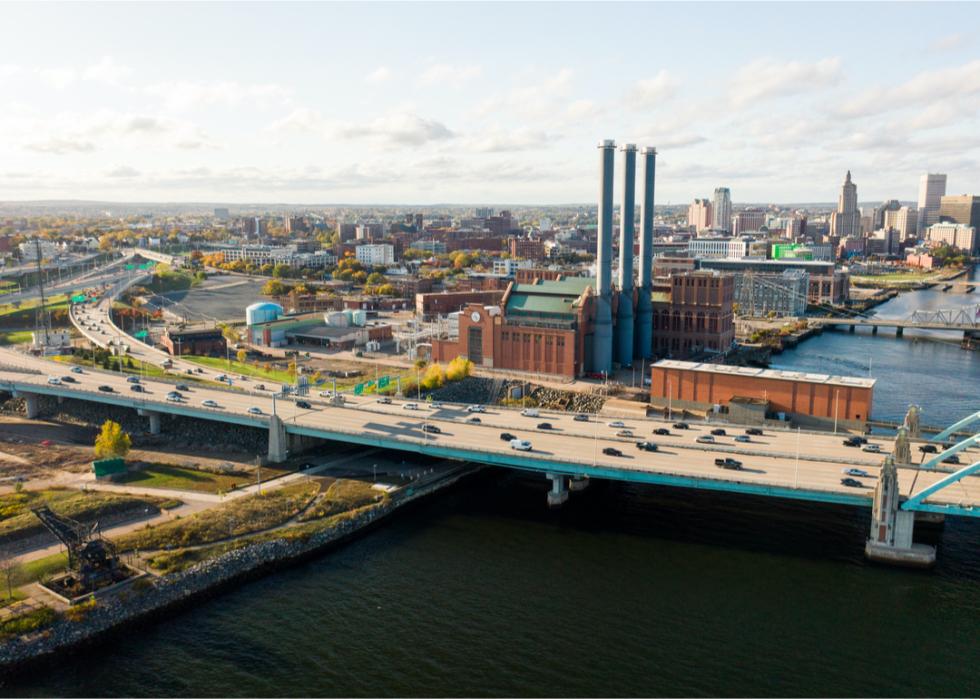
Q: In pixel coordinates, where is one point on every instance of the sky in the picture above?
(483, 103)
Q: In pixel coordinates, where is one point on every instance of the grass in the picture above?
(17, 596)
(17, 521)
(247, 515)
(53, 303)
(343, 495)
(237, 367)
(15, 337)
(183, 478)
(150, 371)
(896, 278)
(26, 623)
(38, 569)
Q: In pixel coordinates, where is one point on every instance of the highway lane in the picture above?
(396, 423)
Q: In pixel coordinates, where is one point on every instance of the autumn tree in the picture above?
(112, 441)
(241, 355)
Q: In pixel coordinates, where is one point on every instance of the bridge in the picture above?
(782, 463)
(965, 319)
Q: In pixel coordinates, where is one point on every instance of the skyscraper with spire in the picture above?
(846, 221)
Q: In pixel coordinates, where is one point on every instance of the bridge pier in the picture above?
(31, 405)
(154, 419)
(890, 541)
(278, 441)
(874, 329)
(899, 331)
(850, 329)
(578, 483)
(558, 495)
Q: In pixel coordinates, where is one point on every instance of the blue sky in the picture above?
(483, 102)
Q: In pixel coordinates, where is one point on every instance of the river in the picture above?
(627, 590)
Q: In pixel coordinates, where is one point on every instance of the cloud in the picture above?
(497, 140)
(532, 100)
(186, 95)
(123, 171)
(398, 129)
(653, 91)
(61, 146)
(378, 75)
(926, 87)
(445, 75)
(582, 109)
(106, 71)
(948, 42)
(58, 78)
(765, 79)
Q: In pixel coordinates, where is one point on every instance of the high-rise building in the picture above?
(699, 215)
(964, 208)
(957, 235)
(932, 187)
(721, 216)
(846, 221)
(748, 220)
(904, 220)
(880, 211)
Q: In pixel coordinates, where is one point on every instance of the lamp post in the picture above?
(669, 413)
(836, 405)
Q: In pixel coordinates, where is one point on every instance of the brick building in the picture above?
(692, 314)
(203, 341)
(526, 248)
(428, 306)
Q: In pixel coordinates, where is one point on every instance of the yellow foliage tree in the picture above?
(435, 377)
(459, 368)
(112, 441)
(241, 355)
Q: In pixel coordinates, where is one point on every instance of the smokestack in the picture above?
(624, 311)
(644, 306)
(602, 339)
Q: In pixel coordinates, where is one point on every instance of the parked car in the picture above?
(742, 438)
(69, 379)
(646, 446)
(54, 380)
(871, 448)
(507, 437)
(754, 431)
(729, 463)
(851, 483)
(208, 403)
(520, 445)
(544, 425)
(612, 451)
(718, 432)
(255, 410)
(663, 431)
(681, 426)
(860, 473)
(531, 412)
(705, 439)
(581, 418)
(431, 429)
(303, 404)
(106, 389)
(77, 370)
(136, 388)
(616, 423)
(928, 449)
(625, 433)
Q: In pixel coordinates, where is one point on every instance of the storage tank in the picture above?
(262, 312)
(359, 318)
(349, 315)
(335, 319)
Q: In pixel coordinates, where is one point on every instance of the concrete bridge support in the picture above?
(31, 405)
(850, 329)
(154, 419)
(891, 528)
(874, 329)
(578, 483)
(899, 331)
(278, 441)
(558, 494)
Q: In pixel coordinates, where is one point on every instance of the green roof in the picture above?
(548, 298)
(563, 287)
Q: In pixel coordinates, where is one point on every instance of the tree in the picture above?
(241, 355)
(459, 368)
(435, 377)
(273, 287)
(375, 278)
(112, 441)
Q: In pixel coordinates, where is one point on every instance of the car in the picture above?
(625, 433)
(856, 472)
(136, 388)
(871, 448)
(220, 377)
(928, 449)
(681, 426)
(729, 463)
(69, 379)
(705, 439)
(646, 446)
(254, 410)
(615, 423)
(474, 419)
(260, 387)
(106, 389)
(544, 426)
(507, 437)
(851, 483)
(188, 371)
(436, 405)
(182, 387)
(612, 451)
(133, 379)
(859, 439)
(475, 409)
(742, 438)
(663, 431)
(520, 445)
(718, 432)
(174, 397)
(581, 418)
(850, 443)
(77, 370)
(384, 400)
(951, 459)
(431, 429)
(530, 412)
(54, 380)
(754, 431)
(208, 403)
(303, 404)
(410, 406)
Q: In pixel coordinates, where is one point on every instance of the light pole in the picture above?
(669, 413)
(836, 404)
(796, 472)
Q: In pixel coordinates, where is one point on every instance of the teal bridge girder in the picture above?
(916, 502)
(968, 420)
(958, 447)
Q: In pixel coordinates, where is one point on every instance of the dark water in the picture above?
(627, 590)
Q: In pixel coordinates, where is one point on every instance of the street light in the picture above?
(836, 404)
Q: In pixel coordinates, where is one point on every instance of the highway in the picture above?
(770, 463)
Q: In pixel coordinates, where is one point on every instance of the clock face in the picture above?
(475, 317)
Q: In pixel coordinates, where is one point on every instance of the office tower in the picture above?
(699, 215)
(722, 210)
(602, 339)
(627, 213)
(932, 187)
(904, 220)
(644, 304)
(963, 208)
(846, 221)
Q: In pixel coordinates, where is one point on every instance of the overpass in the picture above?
(782, 463)
(965, 319)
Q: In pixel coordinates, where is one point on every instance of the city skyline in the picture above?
(300, 110)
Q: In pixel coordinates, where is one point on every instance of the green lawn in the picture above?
(32, 571)
(54, 302)
(182, 478)
(151, 371)
(896, 278)
(15, 337)
(236, 367)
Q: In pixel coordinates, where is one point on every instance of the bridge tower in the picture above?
(903, 451)
(891, 528)
(912, 421)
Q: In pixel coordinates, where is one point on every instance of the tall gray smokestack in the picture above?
(602, 339)
(644, 307)
(624, 311)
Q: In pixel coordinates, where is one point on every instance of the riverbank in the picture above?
(151, 596)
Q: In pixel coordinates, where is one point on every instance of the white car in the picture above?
(410, 406)
(856, 472)
(54, 380)
(208, 403)
(531, 412)
(520, 444)
(475, 409)
(255, 411)
(872, 448)
(326, 394)
(616, 423)
(174, 397)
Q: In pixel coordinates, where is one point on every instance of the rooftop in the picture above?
(753, 372)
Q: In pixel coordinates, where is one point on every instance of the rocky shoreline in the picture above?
(166, 593)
